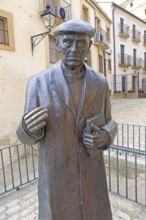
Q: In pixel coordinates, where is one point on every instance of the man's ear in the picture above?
(57, 45)
(90, 43)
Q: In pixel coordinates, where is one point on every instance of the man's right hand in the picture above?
(36, 119)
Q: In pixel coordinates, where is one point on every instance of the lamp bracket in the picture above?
(36, 39)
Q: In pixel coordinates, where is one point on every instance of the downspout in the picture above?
(104, 63)
(114, 48)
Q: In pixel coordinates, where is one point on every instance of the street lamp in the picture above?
(49, 19)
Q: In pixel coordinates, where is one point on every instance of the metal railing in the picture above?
(136, 35)
(124, 59)
(126, 173)
(17, 170)
(124, 29)
(125, 164)
(55, 8)
(137, 62)
(131, 137)
(102, 36)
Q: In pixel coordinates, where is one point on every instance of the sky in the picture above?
(105, 4)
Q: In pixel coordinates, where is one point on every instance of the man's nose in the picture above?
(73, 47)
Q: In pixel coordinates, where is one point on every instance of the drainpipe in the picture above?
(104, 54)
(114, 48)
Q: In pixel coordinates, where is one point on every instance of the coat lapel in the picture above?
(89, 90)
(59, 84)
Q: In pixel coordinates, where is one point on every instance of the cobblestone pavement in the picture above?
(20, 205)
(129, 111)
(23, 204)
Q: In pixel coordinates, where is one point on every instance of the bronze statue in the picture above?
(68, 111)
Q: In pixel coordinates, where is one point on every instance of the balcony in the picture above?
(60, 8)
(101, 39)
(124, 60)
(136, 36)
(137, 63)
(123, 30)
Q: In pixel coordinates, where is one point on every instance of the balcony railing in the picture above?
(102, 38)
(124, 60)
(57, 8)
(137, 63)
(136, 35)
(123, 30)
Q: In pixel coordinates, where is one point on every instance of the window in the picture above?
(144, 36)
(6, 31)
(54, 56)
(122, 48)
(144, 59)
(3, 31)
(108, 34)
(100, 64)
(134, 31)
(134, 57)
(85, 14)
(109, 65)
(97, 24)
(121, 25)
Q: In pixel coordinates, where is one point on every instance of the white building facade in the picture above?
(136, 7)
(128, 54)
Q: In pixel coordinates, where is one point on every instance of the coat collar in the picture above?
(60, 85)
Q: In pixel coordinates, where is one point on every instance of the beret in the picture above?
(75, 27)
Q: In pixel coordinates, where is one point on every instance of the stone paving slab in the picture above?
(23, 205)
(20, 205)
(129, 111)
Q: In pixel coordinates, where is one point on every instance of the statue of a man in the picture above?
(68, 112)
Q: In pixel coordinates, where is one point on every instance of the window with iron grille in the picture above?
(3, 31)
(100, 63)
(54, 55)
(7, 38)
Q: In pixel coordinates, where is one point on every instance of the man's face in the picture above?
(73, 49)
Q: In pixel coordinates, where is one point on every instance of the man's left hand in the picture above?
(97, 139)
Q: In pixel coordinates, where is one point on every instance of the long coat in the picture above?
(72, 185)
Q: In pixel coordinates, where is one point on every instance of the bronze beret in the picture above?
(75, 27)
